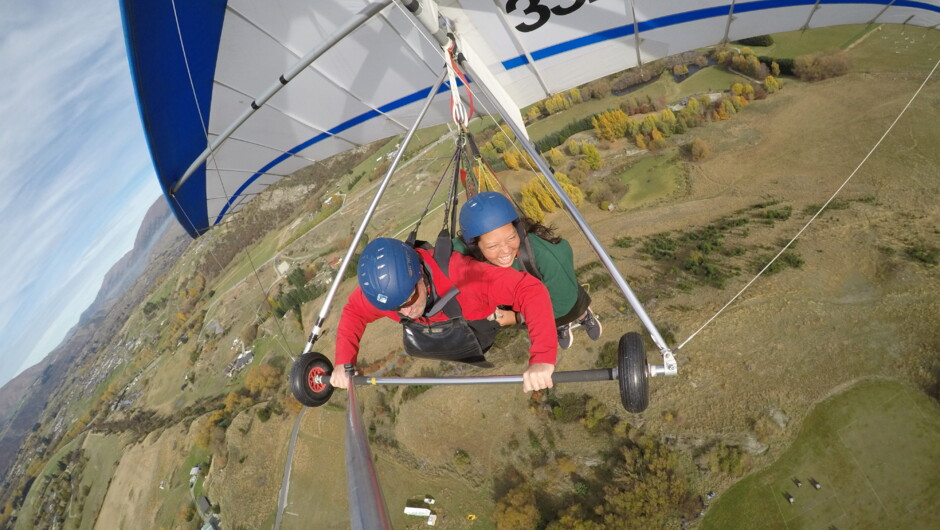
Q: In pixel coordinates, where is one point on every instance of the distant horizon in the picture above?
(39, 355)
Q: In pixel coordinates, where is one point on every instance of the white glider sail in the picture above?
(199, 66)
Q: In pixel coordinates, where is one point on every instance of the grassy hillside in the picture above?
(871, 448)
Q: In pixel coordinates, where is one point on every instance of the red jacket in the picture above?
(482, 287)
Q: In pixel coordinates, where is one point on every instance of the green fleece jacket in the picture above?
(555, 264)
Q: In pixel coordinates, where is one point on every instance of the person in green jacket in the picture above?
(491, 230)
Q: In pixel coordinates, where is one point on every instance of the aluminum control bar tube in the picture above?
(670, 367)
(324, 311)
(366, 504)
(574, 376)
(361, 18)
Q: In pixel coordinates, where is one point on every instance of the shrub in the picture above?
(660, 246)
(461, 459)
(607, 358)
(413, 391)
(920, 252)
(789, 258)
(700, 150)
(760, 40)
(623, 242)
(820, 66)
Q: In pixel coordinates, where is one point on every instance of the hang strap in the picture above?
(444, 303)
(526, 254)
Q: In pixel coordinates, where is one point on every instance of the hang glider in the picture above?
(235, 95)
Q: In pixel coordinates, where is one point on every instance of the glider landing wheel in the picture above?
(310, 379)
(633, 373)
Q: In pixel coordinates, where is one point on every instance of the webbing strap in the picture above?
(443, 248)
(526, 255)
(443, 302)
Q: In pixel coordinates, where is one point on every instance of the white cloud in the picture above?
(76, 178)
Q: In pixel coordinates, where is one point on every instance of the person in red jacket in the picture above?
(451, 316)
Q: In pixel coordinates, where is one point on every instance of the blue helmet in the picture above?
(388, 272)
(485, 212)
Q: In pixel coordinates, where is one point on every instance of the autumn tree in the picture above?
(640, 141)
(599, 89)
(771, 84)
(592, 155)
(648, 124)
(575, 95)
(517, 509)
(499, 141)
(647, 490)
(262, 378)
(509, 158)
(249, 333)
(573, 192)
(531, 209)
(680, 69)
(611, 125)
(186, 513)
(534, 113)
(819, 66)
(749, 91)
(700, 149)
(574, 147)
(235, 401)
(535, 189)
(555, 157)
(774, 69)
(488, 150)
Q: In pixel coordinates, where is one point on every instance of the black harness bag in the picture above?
(455, 339)
(448, 340)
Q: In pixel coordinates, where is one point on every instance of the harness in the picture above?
(455, 339)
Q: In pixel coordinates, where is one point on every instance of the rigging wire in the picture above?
(821, 209)
(280, 339)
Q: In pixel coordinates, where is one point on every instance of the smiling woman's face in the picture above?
(500, 246)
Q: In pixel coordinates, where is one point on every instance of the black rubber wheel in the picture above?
(633, 373)
(309, 379)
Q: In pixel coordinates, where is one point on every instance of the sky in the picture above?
(76, 177)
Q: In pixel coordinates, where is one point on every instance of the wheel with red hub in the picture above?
(310, 379)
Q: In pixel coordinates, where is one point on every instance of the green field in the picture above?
(708, 80)
(795, 43)
(650, 179)
(874, 449)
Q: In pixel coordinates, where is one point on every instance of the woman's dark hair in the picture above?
(528, 227)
